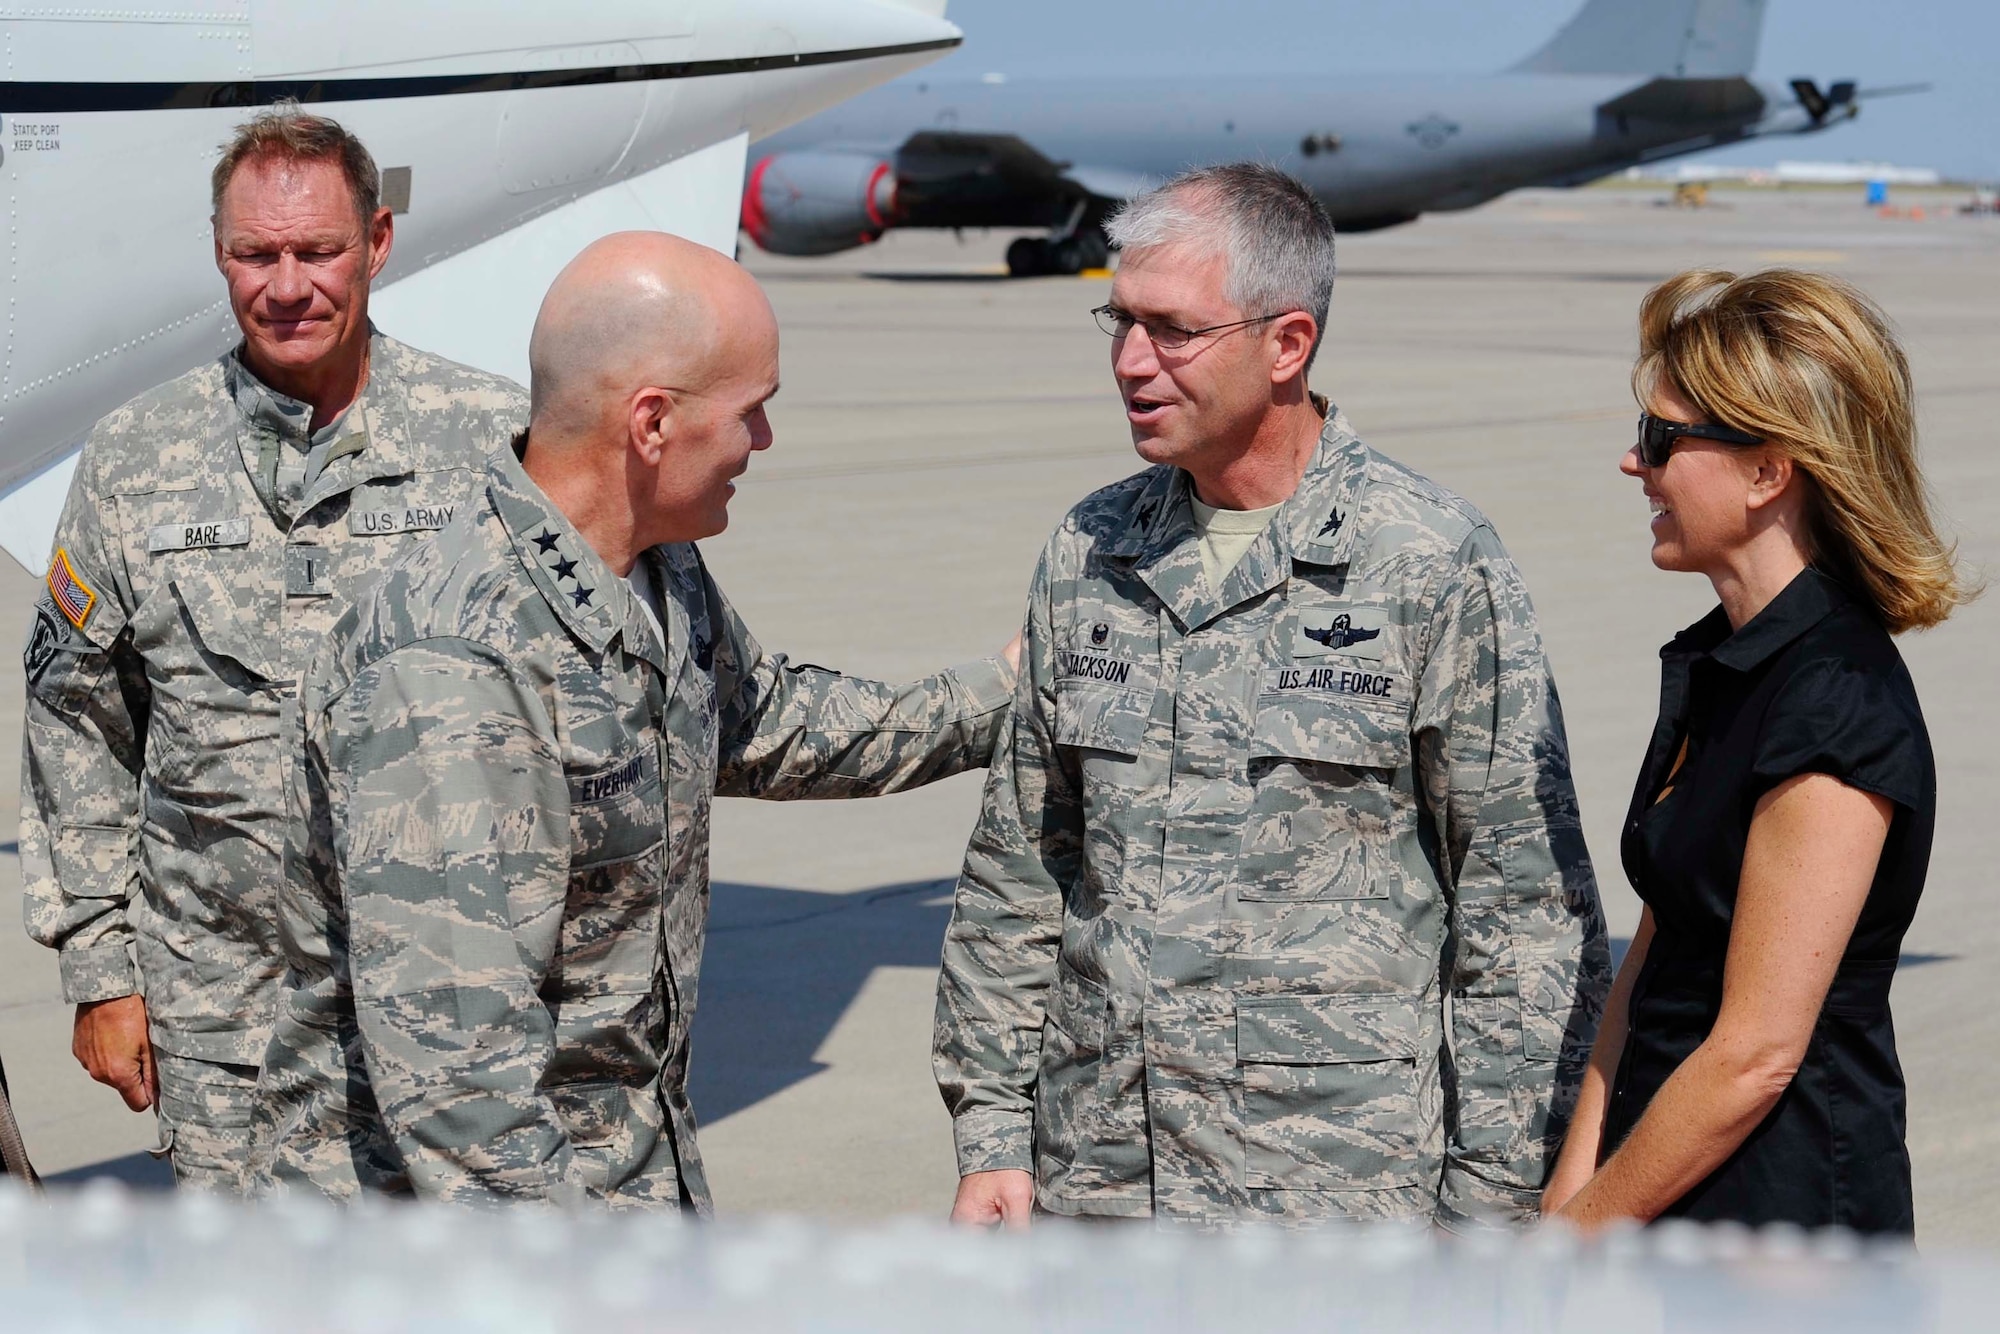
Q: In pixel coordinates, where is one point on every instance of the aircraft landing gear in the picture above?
(1029, 257)
(1036, 256)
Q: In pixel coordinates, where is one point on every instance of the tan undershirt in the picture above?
(1226, 535)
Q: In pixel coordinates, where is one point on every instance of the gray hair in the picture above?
(287, 132)
(1275, 232)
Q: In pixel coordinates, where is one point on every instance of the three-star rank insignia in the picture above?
(563, 567)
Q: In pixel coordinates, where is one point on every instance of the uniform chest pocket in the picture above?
(611, 921)
(1322, 810)
(1095, 718)
(200, 549)
(230, 641)
(617, 810)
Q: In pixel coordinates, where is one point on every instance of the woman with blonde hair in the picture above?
(1781, 827)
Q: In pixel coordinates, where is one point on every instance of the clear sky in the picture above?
(1951, 44)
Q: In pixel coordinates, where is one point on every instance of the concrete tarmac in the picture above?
(936, 422)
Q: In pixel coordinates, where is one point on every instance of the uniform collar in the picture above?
(374, 438)
(1810, 598)
(1317, 516)
(290, 419)
(1312, 527)
(264, 408)
(595, 604)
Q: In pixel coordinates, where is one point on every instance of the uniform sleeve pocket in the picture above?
(1095, 718)
(93, 861)
(1330, 1092)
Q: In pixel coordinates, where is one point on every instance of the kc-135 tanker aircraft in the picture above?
(1625, 82)
(510, 135)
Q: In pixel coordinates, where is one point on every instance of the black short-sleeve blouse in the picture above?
(1811, 685)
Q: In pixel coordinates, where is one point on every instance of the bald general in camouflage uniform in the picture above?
(1279, 906)
(496, 913)
(211, 539)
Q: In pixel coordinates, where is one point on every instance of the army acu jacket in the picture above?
(500, 877)
(1279, 904)
(182, 601)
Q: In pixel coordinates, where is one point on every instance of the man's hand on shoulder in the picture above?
(1005, 1198)
(1012, 653)
(110, 1041)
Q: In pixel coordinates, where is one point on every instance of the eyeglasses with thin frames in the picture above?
(1162, 333)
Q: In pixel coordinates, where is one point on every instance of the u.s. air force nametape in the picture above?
(1331, 681)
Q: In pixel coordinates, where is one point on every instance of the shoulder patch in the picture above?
(47, 638)
(73, 597)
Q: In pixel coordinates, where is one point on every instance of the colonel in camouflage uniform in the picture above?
(216, 529)
(496, 914)
(1279, 906)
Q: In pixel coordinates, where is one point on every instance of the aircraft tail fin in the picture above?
(1684, 39)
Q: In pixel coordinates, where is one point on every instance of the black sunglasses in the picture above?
(1657, 436)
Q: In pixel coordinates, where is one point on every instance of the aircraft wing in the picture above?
(951, 156)
(1110, 183)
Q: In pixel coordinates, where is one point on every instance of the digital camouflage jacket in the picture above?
(1279, 904)
(500, 877)
(186, 592)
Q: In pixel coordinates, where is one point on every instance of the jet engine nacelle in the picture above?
(816, 203)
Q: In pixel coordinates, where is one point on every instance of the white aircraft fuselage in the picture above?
(483, 117)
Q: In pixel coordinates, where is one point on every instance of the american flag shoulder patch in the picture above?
(74, 597)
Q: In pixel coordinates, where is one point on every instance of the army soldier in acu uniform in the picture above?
(216, 529)
(495, 919)
(1279, 906)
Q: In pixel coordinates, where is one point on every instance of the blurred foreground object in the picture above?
(13, 1150)
(102, 1259)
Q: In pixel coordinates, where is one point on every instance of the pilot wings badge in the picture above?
(1342, 635)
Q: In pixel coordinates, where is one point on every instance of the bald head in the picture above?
(652, 360)
(636, 310)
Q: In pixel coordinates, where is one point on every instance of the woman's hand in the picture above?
(1571, 1175)
(1583, 1145)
